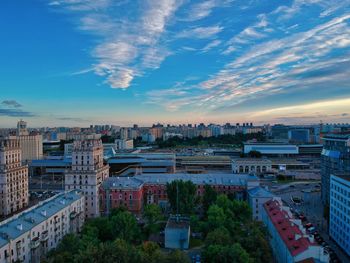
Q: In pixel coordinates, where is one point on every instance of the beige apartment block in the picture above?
(87, 173)
(13, 178)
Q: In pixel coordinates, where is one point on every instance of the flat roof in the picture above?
(33, 216)
(260, 192)
(227, 179)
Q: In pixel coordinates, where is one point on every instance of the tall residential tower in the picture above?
(13, 178)
(87, 173)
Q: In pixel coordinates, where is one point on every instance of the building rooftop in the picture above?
(345, 177)
(20, 223)
(293, 235)
(260, 192)
(198, 179)
(256, 160)
(178, 223)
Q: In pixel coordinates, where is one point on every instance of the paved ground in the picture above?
(312, 208)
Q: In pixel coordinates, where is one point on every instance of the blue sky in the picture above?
(81, 62)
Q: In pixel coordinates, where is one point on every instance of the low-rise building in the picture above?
(257, 197)
(28, 236)
(339, 215)
(288, 238)
(251, 165)
(134, 192)
(177, 233)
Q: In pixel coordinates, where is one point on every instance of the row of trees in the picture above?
(227, 139)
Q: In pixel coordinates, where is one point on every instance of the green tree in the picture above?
(209, 197)
(219, 236)
(185, 193)
(226, 254)
(254, 154)
(150, 253)
(124, 226)
(216, 217)
(177, 256)
(152, 213)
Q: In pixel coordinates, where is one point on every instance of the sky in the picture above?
(82, 62)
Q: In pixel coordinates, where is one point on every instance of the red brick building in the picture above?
(134, 192)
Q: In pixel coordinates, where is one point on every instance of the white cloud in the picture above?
(211, 45)
(201, 32)
(127, 47)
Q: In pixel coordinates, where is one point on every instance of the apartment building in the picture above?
(13, 178)
(335, 158)
(28, 236)
(87, 173)
(339, 217)
(289, 240)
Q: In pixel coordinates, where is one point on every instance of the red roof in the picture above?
(286, 228)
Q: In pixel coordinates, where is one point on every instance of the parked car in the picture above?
(308, 225)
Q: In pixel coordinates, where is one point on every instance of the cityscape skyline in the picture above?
(213, 61)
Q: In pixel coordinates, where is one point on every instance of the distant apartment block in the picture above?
(28, 236)
(339, 218)
(13, 177)
(288, 238)
(87, 173)
(335, 159)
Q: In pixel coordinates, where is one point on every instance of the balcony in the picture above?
(73, 215)
(44, 236)
(35, 243)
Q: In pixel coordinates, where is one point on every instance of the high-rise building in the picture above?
(87, 173)
(339, 215)
(31, 144)
(13, 178)
(335, 159)
(22, 128)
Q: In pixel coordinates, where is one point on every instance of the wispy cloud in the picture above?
(201, 32)
(127, 47)
(311, 59)
(15, 113)
(11, 103)
(211, 45)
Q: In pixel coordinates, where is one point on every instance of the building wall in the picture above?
(151, 194)
(250, 166)
(87, 173)
(32, 245)
(13, 178)
(335, 158)
(177, 238)
(339, 219)
(256, 204)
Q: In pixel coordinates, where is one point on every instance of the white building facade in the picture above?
(339, 218)
(13, 178)
(257, 197)
(87, 173)
(288, 237)
(28, 236)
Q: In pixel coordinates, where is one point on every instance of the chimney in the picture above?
(44, 213)
(20, 227)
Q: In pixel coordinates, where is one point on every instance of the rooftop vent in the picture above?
(19, 227)
(43, 213)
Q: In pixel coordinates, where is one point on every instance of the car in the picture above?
(308, 225)
(317, 186)
(292, 185)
